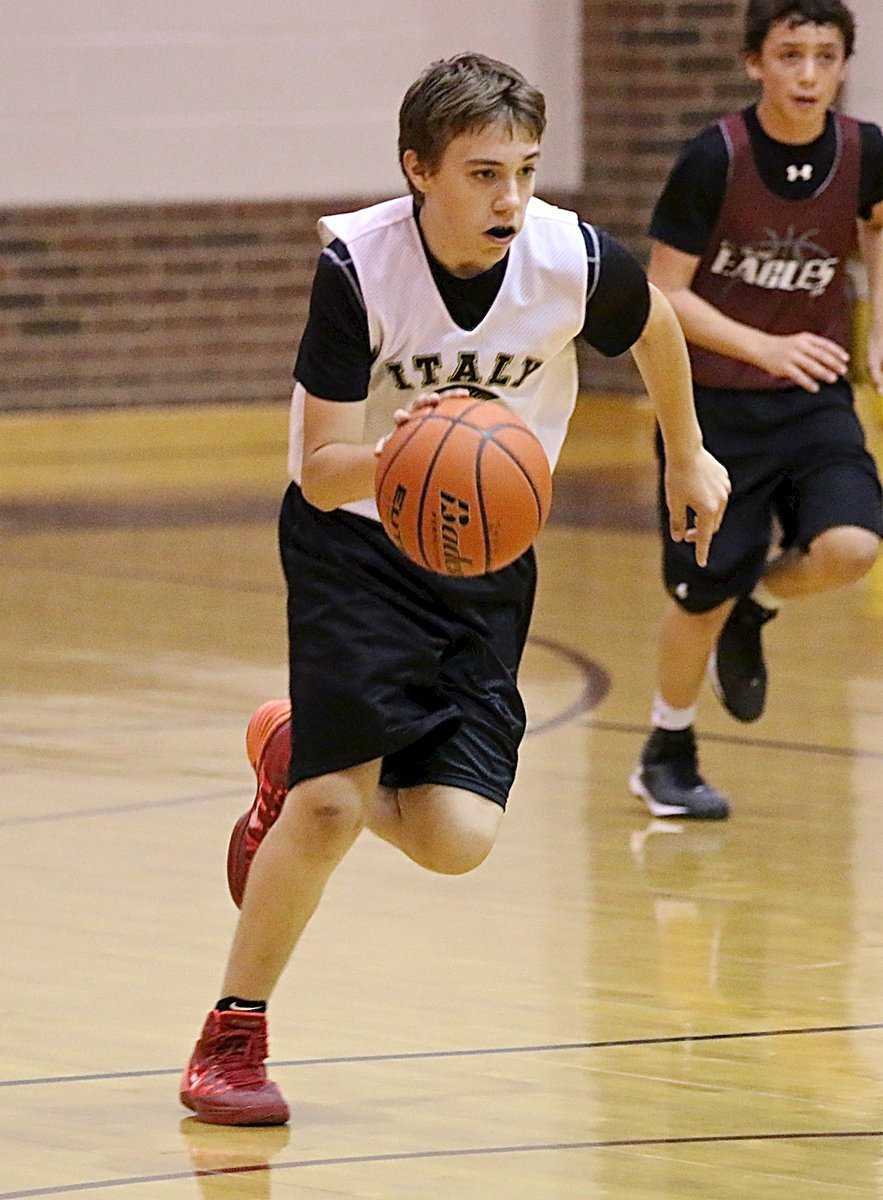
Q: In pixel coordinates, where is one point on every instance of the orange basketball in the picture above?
(463, 489)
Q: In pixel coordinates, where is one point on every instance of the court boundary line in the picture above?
(475, 1052)
(112, 810)
(451, 1152)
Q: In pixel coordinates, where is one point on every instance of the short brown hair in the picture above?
(464, 94)
(762, 15)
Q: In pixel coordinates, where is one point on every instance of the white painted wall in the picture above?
(864, 89)
(125, 100)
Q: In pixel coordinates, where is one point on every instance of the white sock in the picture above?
(663, 716)
(764, 596)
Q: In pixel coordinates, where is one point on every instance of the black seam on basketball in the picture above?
(494, 428)
(405, 442)
(466, 411)
(479, 491)
(521, 467)
(430, 416)
(488, 434)
(452, 422)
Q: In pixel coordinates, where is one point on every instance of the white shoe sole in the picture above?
(637, 788)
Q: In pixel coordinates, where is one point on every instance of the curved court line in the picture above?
(596, 685)
(452, 1152)
(478, 1052)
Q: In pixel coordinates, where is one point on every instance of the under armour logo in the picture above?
(794, 173)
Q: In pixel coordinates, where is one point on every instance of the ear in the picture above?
(416, 173)
(753, 68)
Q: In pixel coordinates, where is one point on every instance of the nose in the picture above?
(808, 69)
(506, 196)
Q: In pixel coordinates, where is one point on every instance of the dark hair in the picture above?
(465, 94)
(763, 14)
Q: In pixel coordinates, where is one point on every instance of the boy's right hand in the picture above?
(701, 485)
(805, 358)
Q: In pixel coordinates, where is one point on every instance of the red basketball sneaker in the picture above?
(268, 742)
(225, 1082)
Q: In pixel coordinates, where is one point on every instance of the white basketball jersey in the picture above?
(521, 353)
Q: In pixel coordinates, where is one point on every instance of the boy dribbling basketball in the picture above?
(751, 239)
(405, 711)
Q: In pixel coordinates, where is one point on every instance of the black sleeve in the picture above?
(334, 358)
(687, 211)
(618, 295)
(871, 185)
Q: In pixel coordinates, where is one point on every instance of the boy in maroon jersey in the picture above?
(751, 237)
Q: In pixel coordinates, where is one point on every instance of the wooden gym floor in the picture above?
(611, 1007)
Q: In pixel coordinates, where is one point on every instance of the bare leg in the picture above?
(685, 644)
(444, 829)
(318, 824)
(836, 558)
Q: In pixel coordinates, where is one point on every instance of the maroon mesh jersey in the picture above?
(778, 265)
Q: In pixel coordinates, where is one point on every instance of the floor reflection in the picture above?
(230, 1162)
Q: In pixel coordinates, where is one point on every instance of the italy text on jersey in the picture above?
(429, 371)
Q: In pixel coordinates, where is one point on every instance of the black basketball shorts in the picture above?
(390, 661)
(798, 466)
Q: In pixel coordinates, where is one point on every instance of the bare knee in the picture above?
(324, 819)
(455, 852)
(706, 625)
(448, 830)
(844, 554)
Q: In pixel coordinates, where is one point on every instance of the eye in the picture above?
(529, 169)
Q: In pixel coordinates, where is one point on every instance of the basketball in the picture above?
(464, 488)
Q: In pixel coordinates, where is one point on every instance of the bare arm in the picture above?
(337, 466)
(693, 478)
(802, 358)
(870, 236)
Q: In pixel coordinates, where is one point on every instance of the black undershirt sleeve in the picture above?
(871, 187)
(689, 206)
(618, 301)
(334, 358)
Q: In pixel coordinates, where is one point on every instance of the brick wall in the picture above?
(152, 304)
(656, 71)
(197, 303)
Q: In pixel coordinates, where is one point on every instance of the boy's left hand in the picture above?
(418, 408)
(702, 485)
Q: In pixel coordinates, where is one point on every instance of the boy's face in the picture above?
(800, 69)
(474, 201)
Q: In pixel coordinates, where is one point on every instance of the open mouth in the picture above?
(501, 233)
